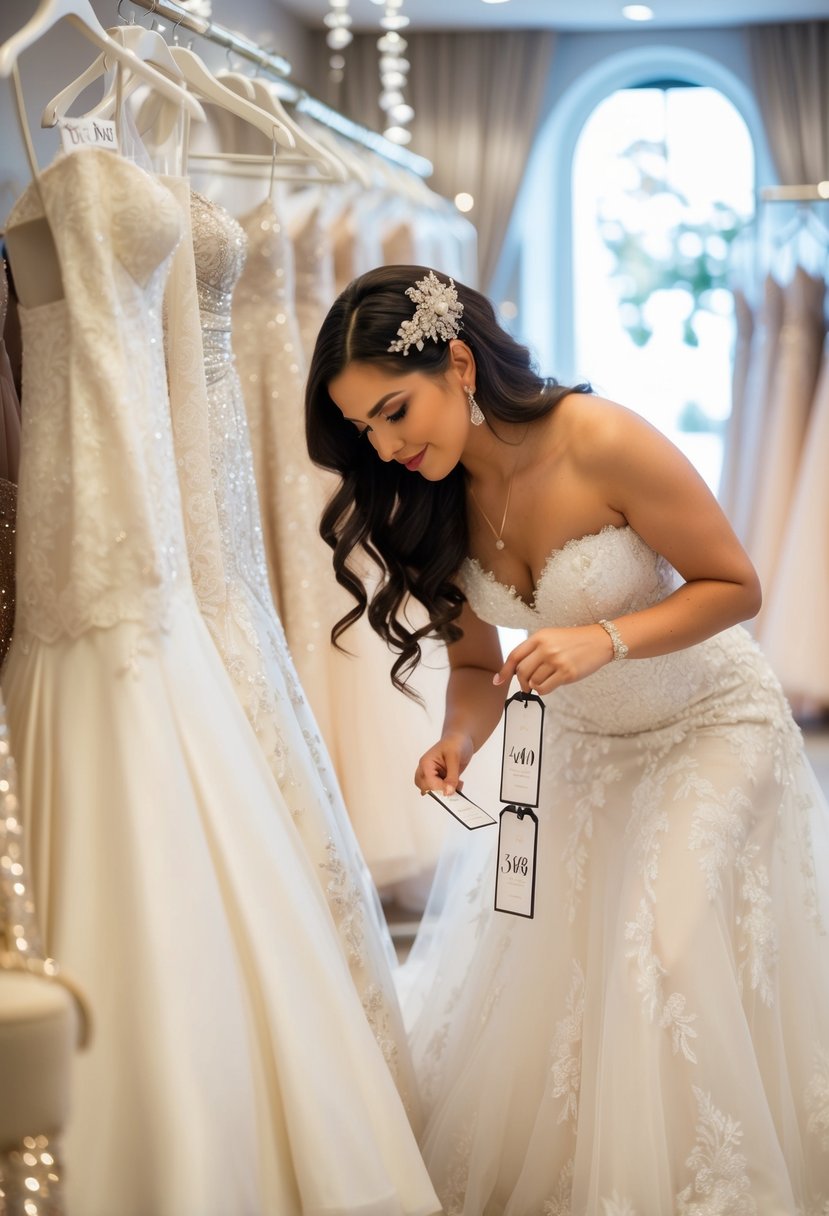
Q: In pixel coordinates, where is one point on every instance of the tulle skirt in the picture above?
(232, 1070)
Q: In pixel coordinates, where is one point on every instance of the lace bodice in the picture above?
(606, 575)
(99, 520)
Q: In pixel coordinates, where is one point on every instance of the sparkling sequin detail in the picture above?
(244, 624)
(31, 1178)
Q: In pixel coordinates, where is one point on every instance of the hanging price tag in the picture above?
(521, 758)
(515, 877)
(468, 812)
(87, 133)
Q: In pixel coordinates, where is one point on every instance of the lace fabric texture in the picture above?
(80, 566)
(656, 1039)
(166, 864)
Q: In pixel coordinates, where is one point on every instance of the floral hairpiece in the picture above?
(437, 315)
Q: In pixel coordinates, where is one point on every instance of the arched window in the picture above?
(656, 210)
(538, 273)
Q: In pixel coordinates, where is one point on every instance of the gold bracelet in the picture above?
(620, 650)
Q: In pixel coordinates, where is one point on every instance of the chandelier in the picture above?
(394, 69)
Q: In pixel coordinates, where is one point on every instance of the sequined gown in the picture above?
(655, 1042)
(291, 492)
(169, 874)
(364, 721)
(233, 592)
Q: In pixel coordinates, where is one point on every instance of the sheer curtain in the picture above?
(477, 97)
(791, 71)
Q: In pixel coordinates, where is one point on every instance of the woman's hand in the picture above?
(552, 657)
(440, 768)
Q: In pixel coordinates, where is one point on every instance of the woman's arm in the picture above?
(645, 478)
(473, 705)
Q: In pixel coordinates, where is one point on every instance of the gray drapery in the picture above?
(790, 64)
(477, 97)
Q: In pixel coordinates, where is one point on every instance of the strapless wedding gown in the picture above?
(232, 1070)
(655, 1042)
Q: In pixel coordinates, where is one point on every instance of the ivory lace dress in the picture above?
(232, 1070)
(655, 1042)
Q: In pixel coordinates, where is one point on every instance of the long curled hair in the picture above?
(413, 529)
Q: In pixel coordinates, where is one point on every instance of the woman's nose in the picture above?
(386, 445)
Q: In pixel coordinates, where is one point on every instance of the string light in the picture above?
(338, 21)
(394, 71)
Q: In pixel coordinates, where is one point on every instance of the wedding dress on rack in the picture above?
(235, 598)
(167, 866)
(797, 364)
(748, 444)
(794, 635)
(268, 350)
(362, 718)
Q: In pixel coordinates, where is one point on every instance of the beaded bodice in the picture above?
(220, 248)
(607, 575)
(99, 528)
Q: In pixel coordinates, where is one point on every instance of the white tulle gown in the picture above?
(232, 1072)
(230, 578)
(655, 1042)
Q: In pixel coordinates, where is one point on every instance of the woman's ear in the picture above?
(462, 362)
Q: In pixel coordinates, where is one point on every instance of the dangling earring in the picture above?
(476, 414)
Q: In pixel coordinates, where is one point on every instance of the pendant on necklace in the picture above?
(499, 544)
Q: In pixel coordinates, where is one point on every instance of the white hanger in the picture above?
(82, 16)
(146, 45)
(208, 88)
(262, 92)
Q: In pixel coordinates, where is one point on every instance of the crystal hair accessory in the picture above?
(437, 315)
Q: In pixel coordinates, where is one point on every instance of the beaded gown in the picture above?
(231, 583)
(363, 719)
(656, 1040)
(166, 865)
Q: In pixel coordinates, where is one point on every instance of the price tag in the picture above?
(515, 877)
(464, 809)
(87, 133)
(521, 758)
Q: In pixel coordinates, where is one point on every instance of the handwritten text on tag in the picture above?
(87, 133)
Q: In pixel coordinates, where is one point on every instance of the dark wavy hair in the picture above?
(413, 529)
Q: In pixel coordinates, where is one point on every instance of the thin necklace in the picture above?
(499, 543)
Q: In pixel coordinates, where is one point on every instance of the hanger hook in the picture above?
(123, 18)
(175, 31)
(150, 18)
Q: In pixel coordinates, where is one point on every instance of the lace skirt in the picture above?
(656, 1040)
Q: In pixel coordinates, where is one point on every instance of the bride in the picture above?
(655, 1038)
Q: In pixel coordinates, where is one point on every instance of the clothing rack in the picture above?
(795, 194)
(279, 67)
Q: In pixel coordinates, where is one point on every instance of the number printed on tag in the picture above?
(517, 848)
(521, 757)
